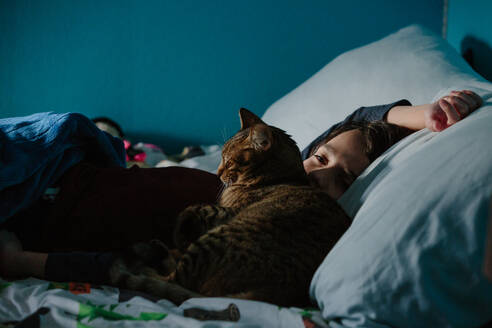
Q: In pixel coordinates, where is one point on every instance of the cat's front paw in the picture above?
(153, 254)
(190, 227)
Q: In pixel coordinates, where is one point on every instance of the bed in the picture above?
(413, 256)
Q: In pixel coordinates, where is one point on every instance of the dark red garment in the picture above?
(101, 209)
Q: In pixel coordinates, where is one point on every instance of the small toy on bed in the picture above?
(141, 154)
(231, 313)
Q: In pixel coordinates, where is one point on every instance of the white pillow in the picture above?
(414, 252)
(412, 64)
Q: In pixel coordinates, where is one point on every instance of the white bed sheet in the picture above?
(100, 307)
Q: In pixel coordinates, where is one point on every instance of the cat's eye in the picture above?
(228, 164)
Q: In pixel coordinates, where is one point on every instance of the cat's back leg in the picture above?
(281, 296)
(159, 286)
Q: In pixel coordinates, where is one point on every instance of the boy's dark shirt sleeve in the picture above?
(368, 114)
(92, 267)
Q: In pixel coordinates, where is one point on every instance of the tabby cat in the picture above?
(263, 241)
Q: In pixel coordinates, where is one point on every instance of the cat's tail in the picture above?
(151, 284)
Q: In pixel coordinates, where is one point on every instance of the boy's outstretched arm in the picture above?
(17, 263)
(438, 115)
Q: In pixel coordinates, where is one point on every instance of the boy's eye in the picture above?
(320, 159)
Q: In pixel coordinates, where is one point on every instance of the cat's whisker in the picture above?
(224, 134)
(221, 191)
(219, 143)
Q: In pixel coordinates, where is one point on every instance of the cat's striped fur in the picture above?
(263, 241)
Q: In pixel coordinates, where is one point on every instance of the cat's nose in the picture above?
(225, 179)
(220, 170)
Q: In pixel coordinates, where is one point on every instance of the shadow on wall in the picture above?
(478, 54)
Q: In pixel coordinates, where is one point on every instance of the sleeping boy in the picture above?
(338, 156)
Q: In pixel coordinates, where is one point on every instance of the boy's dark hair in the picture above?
(109, 121)
(378, 136)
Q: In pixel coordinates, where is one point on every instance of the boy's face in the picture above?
(337, 163)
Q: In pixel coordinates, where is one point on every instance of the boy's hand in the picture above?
(10, 247)
(450, 109)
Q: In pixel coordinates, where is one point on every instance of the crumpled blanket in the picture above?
(36, 150)
(38, 303)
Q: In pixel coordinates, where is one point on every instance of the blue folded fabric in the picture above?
(36, 150)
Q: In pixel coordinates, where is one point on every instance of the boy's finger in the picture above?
(462, 107)
(470, 101)
(451, 113)
(477, 98)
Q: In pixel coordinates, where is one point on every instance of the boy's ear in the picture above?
(261, 137)
(248, 119)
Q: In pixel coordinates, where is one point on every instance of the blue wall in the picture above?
(469, 27)
(175, 72)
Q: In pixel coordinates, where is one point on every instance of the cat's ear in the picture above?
(248, 119)
(261, 136)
